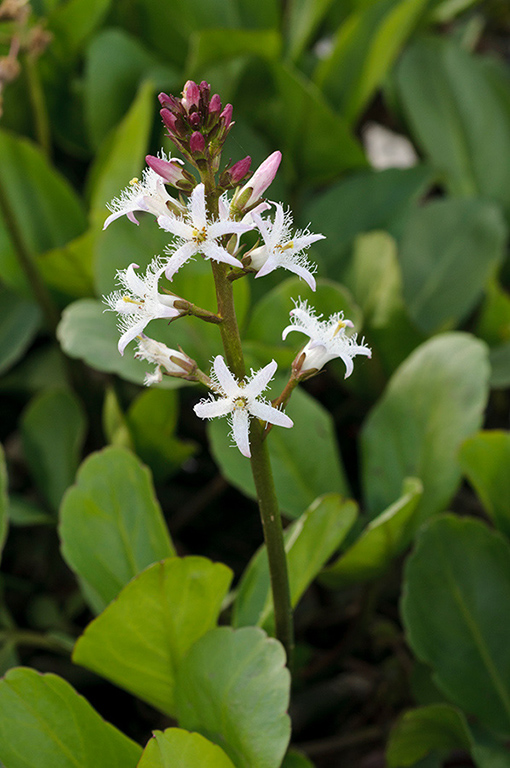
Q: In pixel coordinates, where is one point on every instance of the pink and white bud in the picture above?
(169, 170)
(190, 95)
(226, 115)
(196, 142)
(168, 101)
(169, 120)
(260, 181)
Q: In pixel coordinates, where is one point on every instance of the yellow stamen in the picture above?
(134, 181)
(240, 402)
(199, 235)
(129, 300)
(339, 327)
(286, 246)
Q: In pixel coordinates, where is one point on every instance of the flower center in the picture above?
(240, 403)
(199, 235)
(285, 247)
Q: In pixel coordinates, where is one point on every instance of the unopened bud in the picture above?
(196, 142)
(226, 115)
(259, 182)
(169, 120)
(195, 119)
(168, 101)
(231, 177)
(172, 172)
(215, 104)
(190, 95)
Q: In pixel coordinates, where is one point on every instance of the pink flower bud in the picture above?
(261, 179)
(226, 115)
(195, 119)
(169, 170)
(197, 142)
(205, 91)
(239, 170)
(190, 95)
(215, 104)
(169, 120)
(168, 101)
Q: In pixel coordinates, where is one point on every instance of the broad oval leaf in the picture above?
(53, 429)
(457, 588)
(433, 401)
(306, 463)
(485, 459)
(177, 748)
(111, 525)
(45, 723)
(442, 240)
(447, 96)
(138, 642)
(382, 540)
(19, 324)
(309, 543)
(233, 687)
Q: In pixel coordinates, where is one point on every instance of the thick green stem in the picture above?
(41, 293)
(273, 535)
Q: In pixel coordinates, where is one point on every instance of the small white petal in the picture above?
(240, 430)
(210, 409)
(176, 227)
(266, 412)
(261, 379)
(133, 281)
(217, 253)
(197, 207)
(178, 258)
(131, 334)
(225, 378)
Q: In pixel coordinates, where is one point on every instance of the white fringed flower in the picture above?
(149, 195)
(140, 302)
(241, 400)
(173, 361)
(328, 338)
(197, 235)
(280, 249)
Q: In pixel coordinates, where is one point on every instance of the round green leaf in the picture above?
(138, 642)
(176, 748)
(53, 429)
(111, 525)
(45, 723)
(485, 459)
(233, 687)
(434, 400)
(443, 240)
(382, 540)
(457, 589)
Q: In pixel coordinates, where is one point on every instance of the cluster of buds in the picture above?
(197, 123)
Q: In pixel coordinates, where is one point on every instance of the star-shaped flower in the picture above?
(149, 195)
(140, 302)
(280, 249)
(328, 338)
(197, 235)
(240, 400)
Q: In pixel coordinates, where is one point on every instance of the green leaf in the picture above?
(53, 429)
(433, 401)
(4, 499)
(485, 458)
(152, 420)
(447, 96)
(438, 727)
(364, 201)
(380, 543)
(69, 269)
(303, 18)
(212, 46)
(233, 687)
(442, 240)
(111, 525)
(74, 21)
(45, 209)
(122, 154)
(309, 543)
(19, 324)
(364, 49)
(90, 334)
(457, 588)
(318, 139)
(24, 512)
(306, 463)
(116, 64)
(500, 366)
(295, 759)
(139, 641)
(45, 723)
(176, 748)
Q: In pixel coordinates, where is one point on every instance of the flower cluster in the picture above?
(211, 225)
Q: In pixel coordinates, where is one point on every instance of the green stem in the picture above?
(273, 536)
(37, 640)
(38, 102)
(41, 293)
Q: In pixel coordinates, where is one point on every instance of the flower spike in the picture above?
(240, 400)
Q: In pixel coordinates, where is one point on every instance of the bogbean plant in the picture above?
(209, 218)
